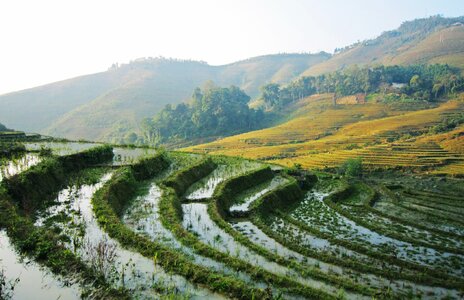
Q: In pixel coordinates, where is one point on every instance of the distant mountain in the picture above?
(3, 127)
(110, 104)
(431, 40)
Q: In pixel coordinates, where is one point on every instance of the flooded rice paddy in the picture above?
(326, 240)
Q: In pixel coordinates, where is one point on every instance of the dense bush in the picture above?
(352, 167)
(448, 124)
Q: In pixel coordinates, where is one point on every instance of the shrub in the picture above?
(352, 167)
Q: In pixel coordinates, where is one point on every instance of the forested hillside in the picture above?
(419, 82)
(211, 113)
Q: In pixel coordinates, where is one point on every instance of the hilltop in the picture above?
(430, 40)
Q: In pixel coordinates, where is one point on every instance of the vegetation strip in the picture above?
(144, 169)
(171, 217)
(432, 215)
(121, 188)
(221, 201)
(182, 179)
(10, 149)
(224, 194)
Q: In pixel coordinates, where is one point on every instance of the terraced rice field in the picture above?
(186, 226)
(320, 136)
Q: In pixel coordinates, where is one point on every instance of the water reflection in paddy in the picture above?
(17, 165)
(35, 282)
(124, 268)
(60, 148)
(205, 187)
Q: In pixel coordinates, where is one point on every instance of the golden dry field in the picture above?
(320, 135)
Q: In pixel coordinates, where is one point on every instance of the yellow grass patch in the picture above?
(325, 136)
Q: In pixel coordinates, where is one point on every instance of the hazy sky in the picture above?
(45, 41)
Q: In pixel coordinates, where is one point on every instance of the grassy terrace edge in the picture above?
(225, 192)
(425, 272)
(171, 217)
(49, 176)
(367, 207)
(44, 245)
(423, 275)
(388, 193)
(120, 189)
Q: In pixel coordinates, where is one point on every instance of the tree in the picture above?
(212, 112)
(352, 167)
(270, 94)
(415, 82)
(131, 138)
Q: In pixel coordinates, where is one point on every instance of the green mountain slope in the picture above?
(431, 40)
(111, 103)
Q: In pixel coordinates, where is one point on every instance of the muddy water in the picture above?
(389, 208)
(260, 238)
(196, 219)
(410, 231)
(123, 268)
(302, 237)
(257, 236)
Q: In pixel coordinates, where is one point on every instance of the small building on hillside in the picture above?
(397, 85)
(359, 98)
